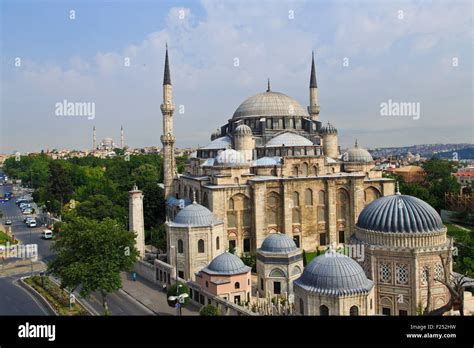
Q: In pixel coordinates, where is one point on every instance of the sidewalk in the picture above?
(20, 267)
(152, 296)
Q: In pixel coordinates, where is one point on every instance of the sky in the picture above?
(111, 54)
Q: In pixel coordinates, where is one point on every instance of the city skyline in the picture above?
(366, 54)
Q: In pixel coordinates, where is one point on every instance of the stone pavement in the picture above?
(152, 296)
(11, 268)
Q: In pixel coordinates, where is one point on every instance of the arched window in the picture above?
(180, 246)
(305, 169)
(272, 209)
(316, 170)
(295, 171)
(371, 194)
(342, 204)
(205, 200)
(218, 243)
(200, 246)
(308, 197)
(295, 198)
(322, 197)
(354, 311)
(323, 310)
(237, 285)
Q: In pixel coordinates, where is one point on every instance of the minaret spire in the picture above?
(168, 139)
(122, 145)
(268, 85)
(312, 81)
(94, 139)
(167, 75)
(313, 108)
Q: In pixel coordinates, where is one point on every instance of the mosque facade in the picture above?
(273, 182)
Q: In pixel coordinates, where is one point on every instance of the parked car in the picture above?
(47, 234)
(8, 222)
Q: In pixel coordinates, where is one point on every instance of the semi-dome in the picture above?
(224, 142)
(334, 274)
(196, 215)
(289, 139)
(358, 155)
(267, 161)
(243, 130)
(230, 157)
(269, 104)
(226, 264)
(278, 243)
(328, 129)
(399, 214)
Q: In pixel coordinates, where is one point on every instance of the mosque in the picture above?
(273, 182)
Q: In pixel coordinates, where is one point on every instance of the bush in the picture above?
(172, 292)
(209, 310)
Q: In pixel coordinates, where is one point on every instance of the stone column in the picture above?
(136, 219)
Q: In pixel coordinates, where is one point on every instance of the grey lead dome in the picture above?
(334, 274)
(399, 214)
(226, 264)
(196, 215)
(269, 104)
(278, 243)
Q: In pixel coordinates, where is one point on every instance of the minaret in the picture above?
(313, 108)
(168, 139)
(136, 218)
(94, 139)
(122, 144)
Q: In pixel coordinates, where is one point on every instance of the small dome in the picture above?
(269, 104)
(267, 161)
(196, 215)
(216, 134)
(219, 143)
(328, 129)
(230, 157)
(334, 274)
(242, 131)
(226, 264)
(358, 155)
(399, 214)
(289, 139)
(278, 243)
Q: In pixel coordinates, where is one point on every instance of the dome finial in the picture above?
(356, 144)
(268, 85)
(398, 188)
(194, 197)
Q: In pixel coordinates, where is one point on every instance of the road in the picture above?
(16, 301)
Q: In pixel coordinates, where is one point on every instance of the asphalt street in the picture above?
(16, 301)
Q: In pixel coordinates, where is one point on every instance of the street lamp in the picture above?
(179, 298)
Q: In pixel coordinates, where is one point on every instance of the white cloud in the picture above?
(384, 63)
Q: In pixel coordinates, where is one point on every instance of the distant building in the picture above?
(410, 173)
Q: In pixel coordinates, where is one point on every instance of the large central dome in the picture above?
(269, 104)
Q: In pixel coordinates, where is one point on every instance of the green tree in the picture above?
(153, 205)
(209, 310)
(144, 175)
(91, 254)
(60, 186)
(99, 207)
(250, 259)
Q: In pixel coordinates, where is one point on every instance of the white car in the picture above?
(47, 234)
(32, 223)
